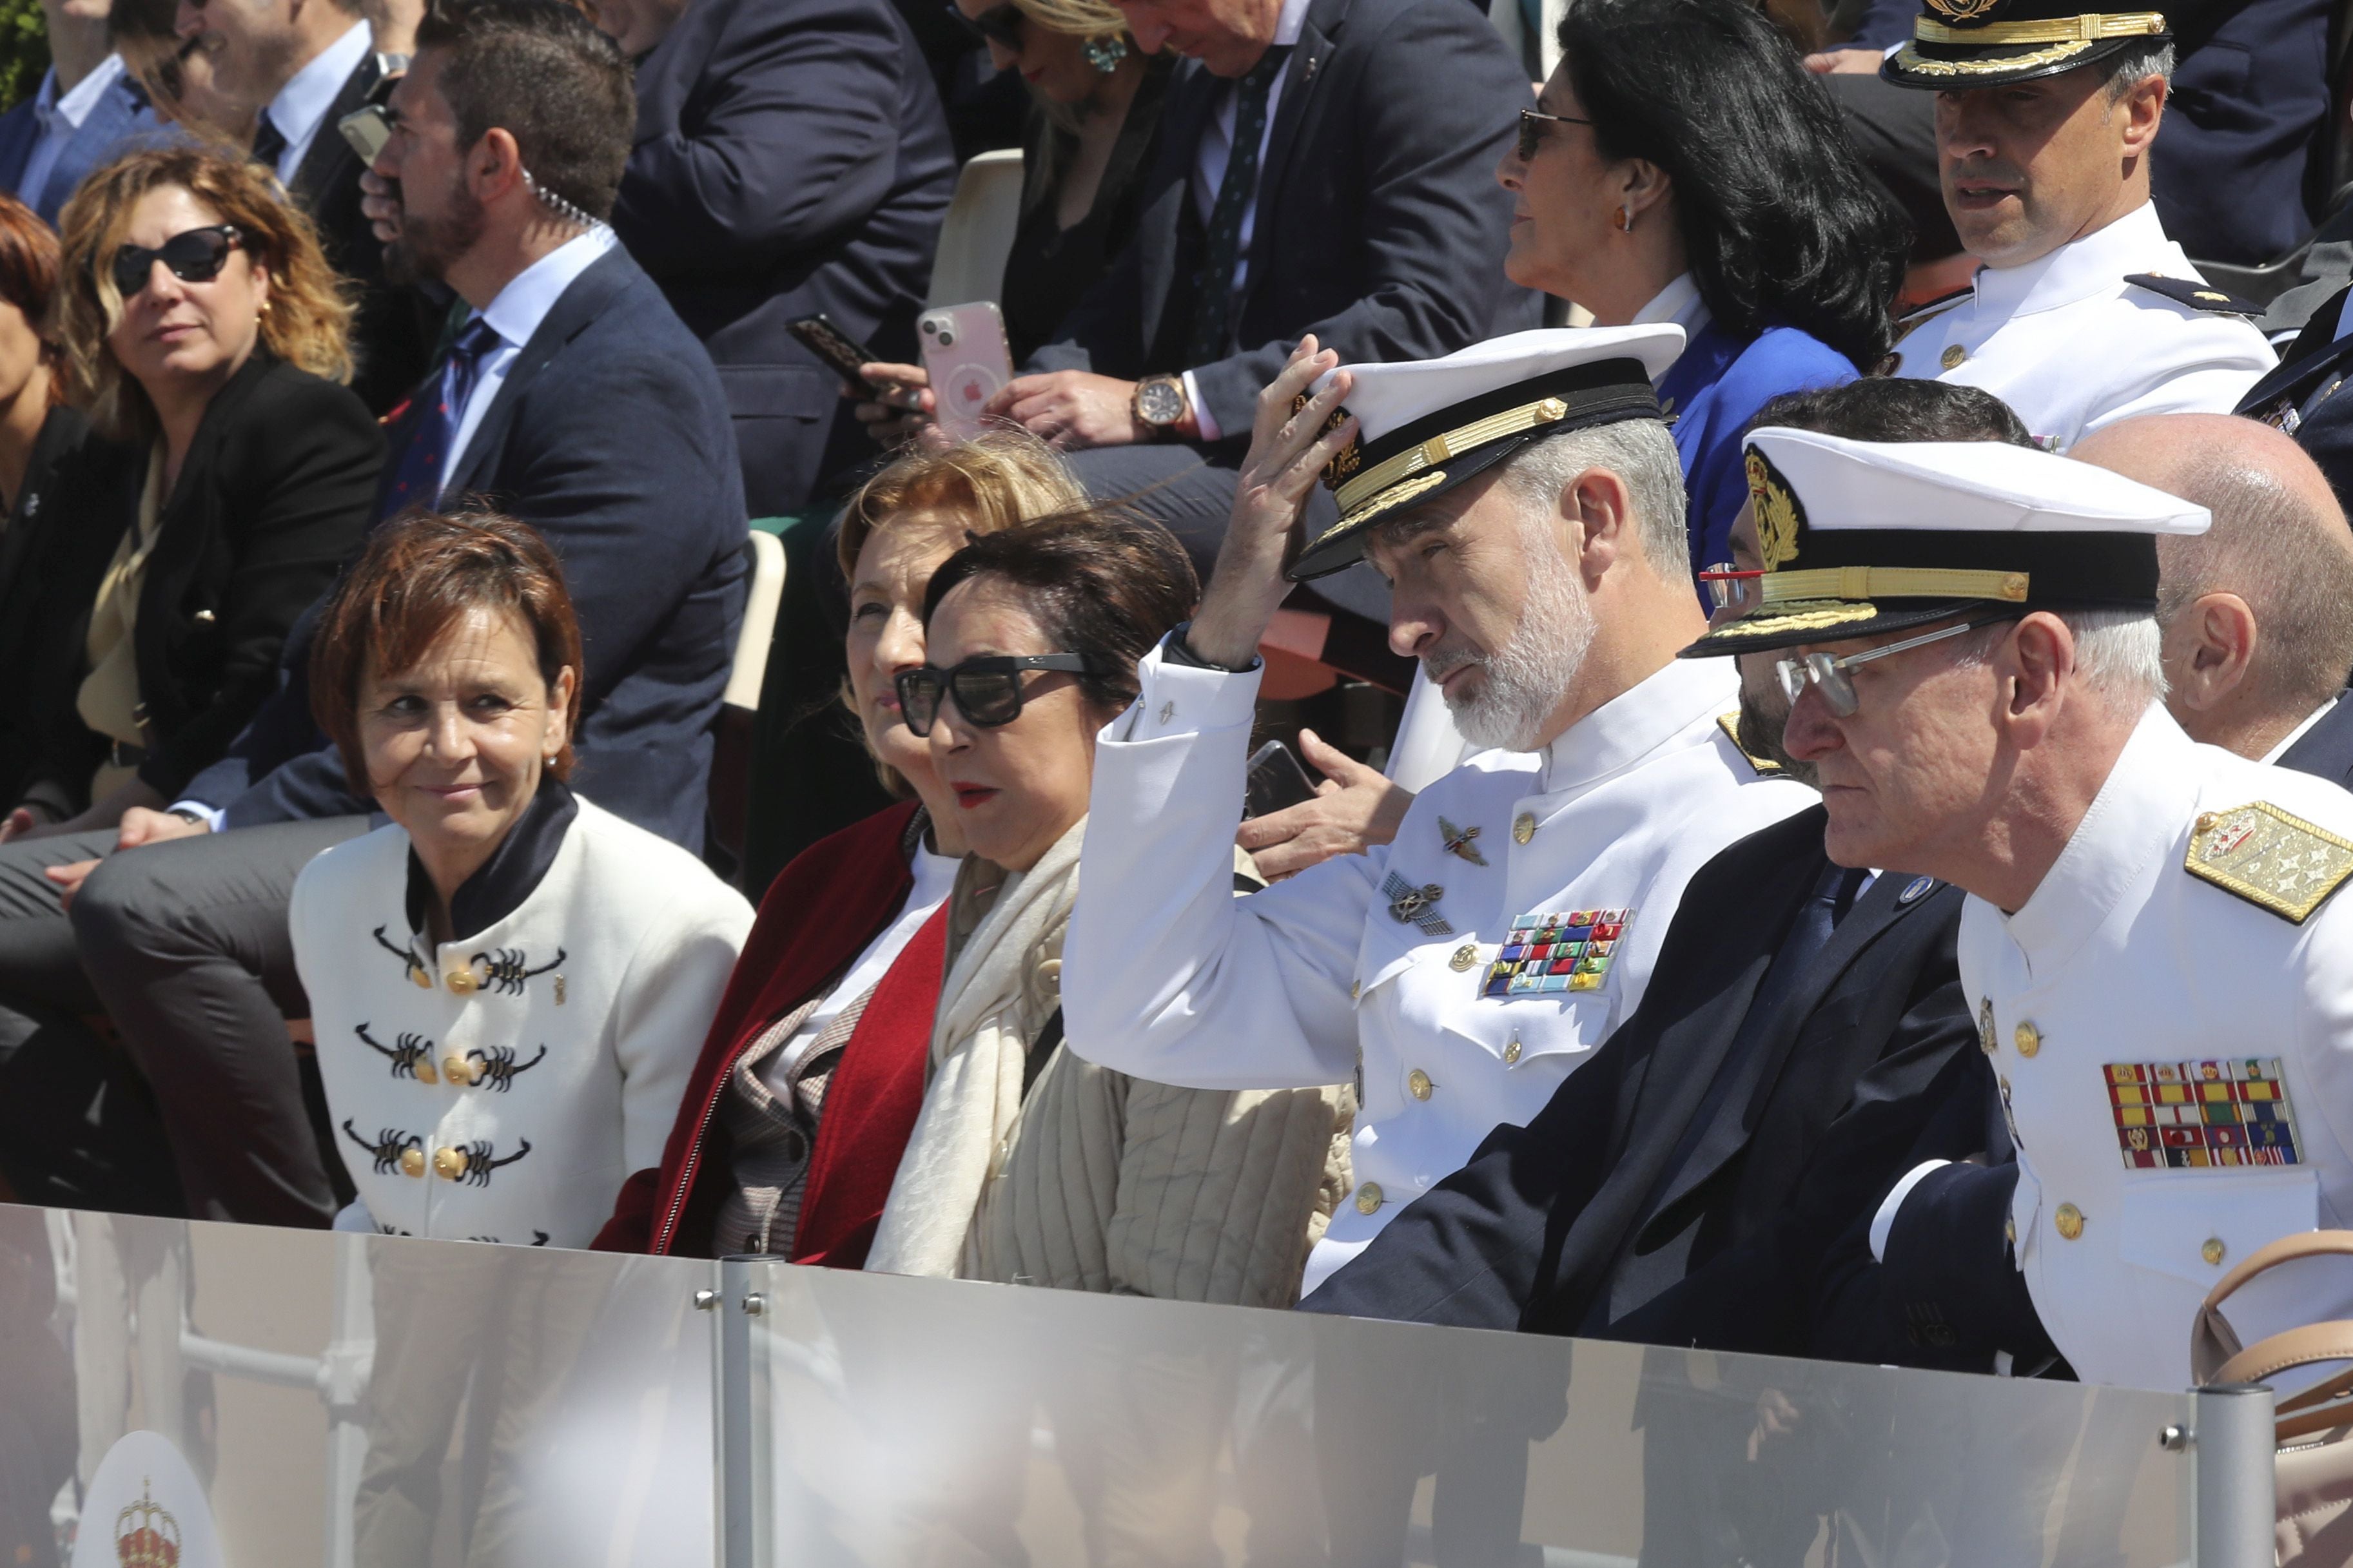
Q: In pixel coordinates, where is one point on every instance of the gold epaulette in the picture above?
(1730, 724)
(2269, 857)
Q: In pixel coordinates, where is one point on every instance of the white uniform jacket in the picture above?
(2072, 346)
(1167, 976)
(2177, 1059)
(502, 1088)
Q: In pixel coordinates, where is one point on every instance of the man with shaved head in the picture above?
(2257, 613)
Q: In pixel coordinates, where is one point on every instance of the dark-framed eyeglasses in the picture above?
(1831, 671)
(1729, 587)
(987, 687)
(1532, 124)
(1000, 25)
(194, 256)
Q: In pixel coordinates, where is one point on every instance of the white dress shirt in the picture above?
(2293, 736)
(60, 117)
(301, 105)
(2072, 346)
(515, 314)
(1167, 976)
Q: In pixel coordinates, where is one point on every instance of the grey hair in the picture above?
(2134, 64)
(2116, 653)
(1641, 453)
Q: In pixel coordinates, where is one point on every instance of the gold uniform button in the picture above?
(2213, 1252)
(424, 980)
(462, 981)
(2028, 1038)
(449, 1164)
(1368, 1198)
(1464, 957)
(2206, 821)
(1524, 826)
(425, 1073)
(1512, 1052)
(2069, 1221)
(1418, 1084)
(412, 1161)
(455, 1069)
(1952, 357)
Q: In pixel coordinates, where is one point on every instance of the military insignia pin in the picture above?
(1457, 842)
(1544, 953)
(2271, 859)
(1779, 515)
(1915, 889)
(1410, 905)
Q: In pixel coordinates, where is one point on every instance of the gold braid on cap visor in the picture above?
(1891, 582)
(1451, 443)
(2067, 36)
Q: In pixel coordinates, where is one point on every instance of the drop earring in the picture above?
(1625, 220)
(1104, 53)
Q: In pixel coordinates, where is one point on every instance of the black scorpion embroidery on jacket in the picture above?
(498, 1066)
(390, 1144)
(409, 966)
(505, 970)
(407, 1052)
(480, 1160)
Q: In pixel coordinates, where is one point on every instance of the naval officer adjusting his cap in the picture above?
(2160, 973)
(2084, 311)
(1524, 500)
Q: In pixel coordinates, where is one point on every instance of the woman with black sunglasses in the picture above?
(1681, 165)
(1029, 1163)
(204, 331)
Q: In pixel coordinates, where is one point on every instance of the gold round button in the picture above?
(425, 1073)
(1368, 1198)
(412, 1161)
(449, 1164)
(2028, 1038)
(1524, 826)
(1418, 1084)
(462, 981)
(424, 980)
(2069, 1221)
(455, 1069)
(1512, 1052)
(1952, 357)
(1464, 957)
(2213, 1252)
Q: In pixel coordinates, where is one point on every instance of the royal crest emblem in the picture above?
(1963, 12)
(1778, 515)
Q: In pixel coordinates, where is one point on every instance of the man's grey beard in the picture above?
(1530, 675)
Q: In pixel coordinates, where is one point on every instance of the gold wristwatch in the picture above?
(1160, 404)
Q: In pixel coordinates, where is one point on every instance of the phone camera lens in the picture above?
(932, 327)
(947, 339)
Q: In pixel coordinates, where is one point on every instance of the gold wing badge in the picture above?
(1457, 842)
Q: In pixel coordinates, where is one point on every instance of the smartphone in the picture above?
(1275, 781)
(965, 352)
(367, 129)
(843, 352)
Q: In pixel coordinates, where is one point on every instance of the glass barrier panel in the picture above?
(916, 1421)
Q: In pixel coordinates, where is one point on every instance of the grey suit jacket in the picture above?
(122, 112)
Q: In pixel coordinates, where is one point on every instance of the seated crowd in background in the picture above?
(375, 559)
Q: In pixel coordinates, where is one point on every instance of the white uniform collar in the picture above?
(1679, 303)
(309, 92)
(1639, 720)
(2076, 271)
(2141, 811)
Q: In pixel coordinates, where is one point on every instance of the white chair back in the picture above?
(978, 235)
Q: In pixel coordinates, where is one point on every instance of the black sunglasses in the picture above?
(988, 688)
(1532, 124)
(194, 256)
(999, 24)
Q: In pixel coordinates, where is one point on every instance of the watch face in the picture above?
(1160, 402)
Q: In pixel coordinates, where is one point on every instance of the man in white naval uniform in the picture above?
(2162, 981)
(1524, 500)
(2084, 311)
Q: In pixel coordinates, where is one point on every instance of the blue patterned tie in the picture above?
(1213, 285)
(418, 481)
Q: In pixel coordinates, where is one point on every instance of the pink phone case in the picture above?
(965, 352)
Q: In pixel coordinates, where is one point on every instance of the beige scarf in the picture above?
(979, 1046)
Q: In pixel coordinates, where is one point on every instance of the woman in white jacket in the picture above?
(508, 984)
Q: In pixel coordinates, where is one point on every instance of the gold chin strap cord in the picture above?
(2091, 29)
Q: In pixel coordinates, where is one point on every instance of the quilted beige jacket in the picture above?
(1115, 1183)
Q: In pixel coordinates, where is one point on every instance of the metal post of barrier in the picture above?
(734, 1409)
(2231, 1448)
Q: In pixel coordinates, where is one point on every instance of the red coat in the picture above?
(837, 896)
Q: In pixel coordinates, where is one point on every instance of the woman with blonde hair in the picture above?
(830, 1006)
(202, 327)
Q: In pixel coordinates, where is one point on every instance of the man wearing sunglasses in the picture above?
(2152, 948)
(1462, 972)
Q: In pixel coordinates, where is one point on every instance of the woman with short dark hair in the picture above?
(1029, 1163)
(508, 984)
(1683, 165)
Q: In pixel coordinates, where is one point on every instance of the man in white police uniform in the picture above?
(2084, 311)
(1524, 498)
(2162, 981)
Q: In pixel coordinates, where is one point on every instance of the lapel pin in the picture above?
(1459, 842)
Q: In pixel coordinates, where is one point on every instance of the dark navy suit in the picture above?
(1713, 393)
(121, 112)
(791, 158)
(2305, 395)
(1644, 1167)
